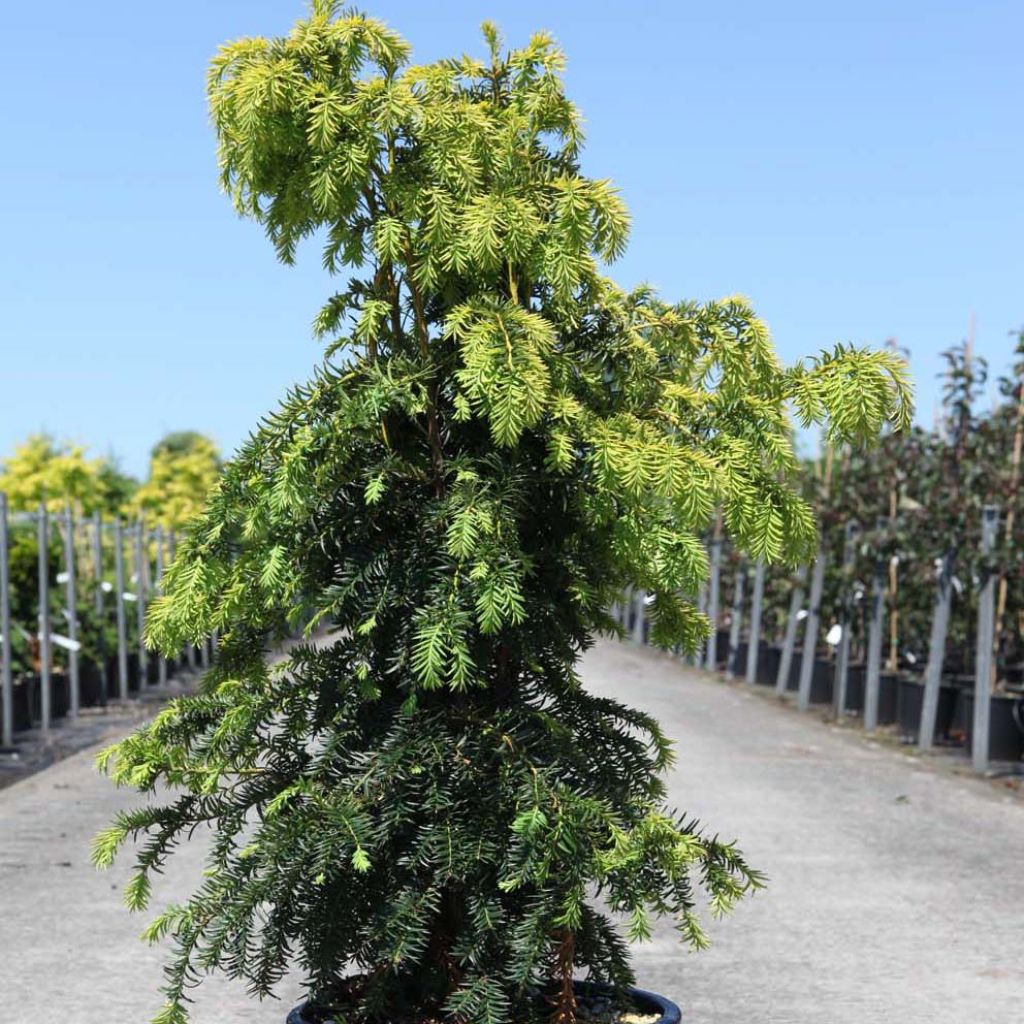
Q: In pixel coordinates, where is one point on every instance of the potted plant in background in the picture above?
(426, 812)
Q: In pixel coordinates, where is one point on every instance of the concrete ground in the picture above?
(896, 888)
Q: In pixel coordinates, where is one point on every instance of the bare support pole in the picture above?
(986, 642)
(140, 597)
(936, 653)
(873, 677)
(97, 568)
(638, 621)
(796, 599)
(711, 652)
(697, 658)
(122, 626)
(736, 621)
(811, 631)
(71, 593)
(6, 682)
(756, 604)
(45, 670)
(161, 664)
(843, 661)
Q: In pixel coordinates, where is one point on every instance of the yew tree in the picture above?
(425, 811)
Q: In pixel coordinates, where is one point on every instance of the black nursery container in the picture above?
(768, 660)
(90, 684)
(911, 700)
(1005, 727)
(822, 681)
(856, 676)
(645, 1003)
(22, 703)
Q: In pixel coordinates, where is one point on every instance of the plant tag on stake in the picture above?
(129, 596)
(106, 586)
(801, 615)
(834, 635)
(65, 641)
(62, 577)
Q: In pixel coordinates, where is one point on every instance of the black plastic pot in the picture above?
(822, 681)
(22, 693)
(739, 660)
(888, 698)
(793, 682)
(1005, 726)
(60, 695)
(645, 1002)
(911, 699)
(855, 677)
(90, 684)
(768, 660)
(721, 647)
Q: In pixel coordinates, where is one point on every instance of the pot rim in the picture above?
(670, 1013)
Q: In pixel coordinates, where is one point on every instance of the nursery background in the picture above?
(858, 718)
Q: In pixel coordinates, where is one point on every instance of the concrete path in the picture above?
(896, 897)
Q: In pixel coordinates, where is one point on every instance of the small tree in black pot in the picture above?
(426, 813)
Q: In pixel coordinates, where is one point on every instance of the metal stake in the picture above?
(6, 682)
(986, 641)
(161, 663)
(736, 621)
(45, 676)
(936, 654)
(122, 628)
(141, 572)
(811, 631)
(71, 592)
(97, 565)
(872, 679)
(711, 652)
(638, 621)
(845, 620)
(756, 602)
(796, 599)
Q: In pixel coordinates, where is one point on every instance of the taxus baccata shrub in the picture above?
(428, 813)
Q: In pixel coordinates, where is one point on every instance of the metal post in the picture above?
(811, 630)
(161, 660)
(638, 621)
(845, 622)
(736, 621)
(172, 551)
(696, 659)
(122, 630)
(71, 592)
(711, 652)
(141, 572)
(756, 602)
(986, 642)
(872, 679)
(6, 682)
(97, 566)
(936, 653)
(796, 599)
(45, 677)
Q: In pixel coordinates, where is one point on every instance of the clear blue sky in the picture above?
(856, 169)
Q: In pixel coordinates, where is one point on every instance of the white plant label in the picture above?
(66, 642)
(834, 635)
